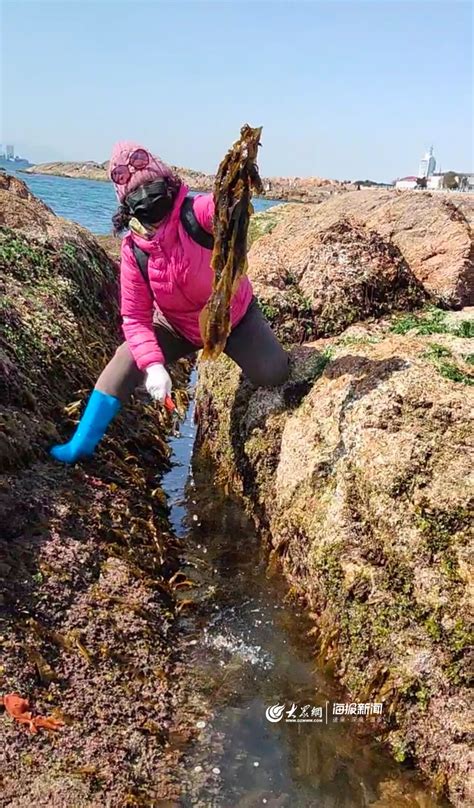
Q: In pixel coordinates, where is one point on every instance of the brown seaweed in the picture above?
(237, 175)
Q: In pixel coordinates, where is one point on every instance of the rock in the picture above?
(22, 212)
(359, 473)
(89, 170)
(430, 235)
(456, 319)
(18, 207)
(302, 189)
(264, 222)
(313, 281)
(59, 296)
(111, 245)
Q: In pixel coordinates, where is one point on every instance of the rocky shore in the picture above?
(98, 171)
(310, 189)
(358, 471)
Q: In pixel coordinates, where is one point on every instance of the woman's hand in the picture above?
(158, 382)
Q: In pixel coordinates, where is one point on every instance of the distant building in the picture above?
(427, 164)
(10, 152)
(435, 182)
(468, 182)
(406, 183)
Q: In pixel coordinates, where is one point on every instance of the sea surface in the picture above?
(87, 202)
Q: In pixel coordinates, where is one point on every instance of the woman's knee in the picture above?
(272, 373)
(121, 376)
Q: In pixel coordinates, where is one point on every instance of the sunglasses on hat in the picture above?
(138, 160)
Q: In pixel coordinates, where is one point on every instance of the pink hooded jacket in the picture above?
(180, 279)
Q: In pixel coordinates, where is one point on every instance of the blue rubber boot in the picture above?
(100, 411)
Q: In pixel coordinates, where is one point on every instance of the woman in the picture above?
(161, 305)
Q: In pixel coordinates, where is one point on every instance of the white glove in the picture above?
(158, 382)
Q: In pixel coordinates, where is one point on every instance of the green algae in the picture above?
(356, 340)
(291, 316)
(444, 362)
(325, 560)
(431, 320)
(263, 223)
(442, 529)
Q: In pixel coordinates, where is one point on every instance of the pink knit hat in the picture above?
(155, 169)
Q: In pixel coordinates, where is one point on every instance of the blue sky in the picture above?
(342, 89)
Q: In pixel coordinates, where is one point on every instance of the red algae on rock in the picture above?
(88, 612)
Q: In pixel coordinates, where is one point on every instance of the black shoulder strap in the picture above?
(141, 257)
(192, 226)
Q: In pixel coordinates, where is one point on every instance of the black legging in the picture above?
(251, 344)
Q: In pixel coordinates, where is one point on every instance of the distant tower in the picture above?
(427, 164)
(10, 152)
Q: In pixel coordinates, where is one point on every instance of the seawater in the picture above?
(87, 202)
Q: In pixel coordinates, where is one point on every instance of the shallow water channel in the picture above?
(250, 651)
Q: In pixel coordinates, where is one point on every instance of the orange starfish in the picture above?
(17, 708)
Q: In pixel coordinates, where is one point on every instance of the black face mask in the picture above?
(150, 203)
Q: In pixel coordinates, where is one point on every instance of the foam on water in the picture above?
(237, 646)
